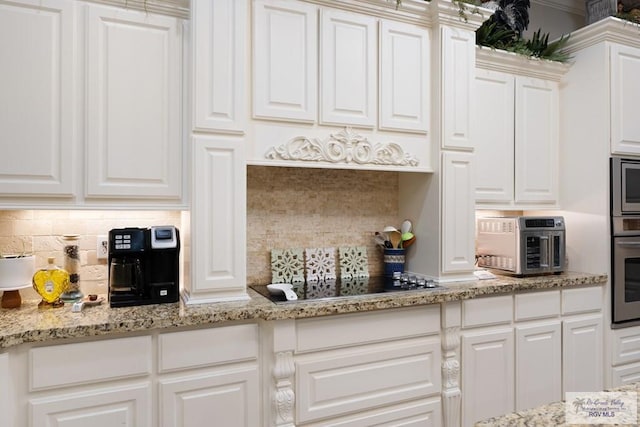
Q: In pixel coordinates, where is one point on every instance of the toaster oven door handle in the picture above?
(545, 252)
(629, 244)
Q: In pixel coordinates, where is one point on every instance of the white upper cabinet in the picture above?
(516, 132)
(37, 91)
(348, 69)
(494, 131)
(457, 68)
(625, 91)
(404, 77)
(339, 87)
(219, 69)
(285, 39)
(536, 141)
(134, 138)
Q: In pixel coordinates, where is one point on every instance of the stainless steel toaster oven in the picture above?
(523, 245)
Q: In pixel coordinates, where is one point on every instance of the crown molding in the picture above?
(513, 63)
(610, 29)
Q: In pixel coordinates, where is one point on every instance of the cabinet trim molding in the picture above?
(345, 146)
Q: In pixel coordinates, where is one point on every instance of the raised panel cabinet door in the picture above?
(126, 405)
(493, 136)
(538, 364)
(457, 85)
(134, 140)
(218, 220)
(285, 60)
(218, 54)
(582, 353)
(536, 141)
(487, 374)
(6, 406)
(38, 91)
(625, 91)
(458, 213)
(404, 77)
(348, 76)
(215, 398)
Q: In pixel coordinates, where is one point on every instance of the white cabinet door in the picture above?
(487, 374)
(458, 65)
(536, 140)
(6, 406)
(221, 398)
(582, 353)
(134, 115)
(493, 136)
(127, 405)
(285, 57)
(458, 213)
(218, 219)
(538, 364)
(404, 77)
(625, 91)
(218, 55)
(348, 69)
(38, 93)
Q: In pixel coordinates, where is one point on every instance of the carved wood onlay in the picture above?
(451, 394)
(284, 399)
(345, 146)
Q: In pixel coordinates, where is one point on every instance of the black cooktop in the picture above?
(337, 288)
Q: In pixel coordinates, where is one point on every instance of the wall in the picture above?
(39, 232)
(553, 19)
(312, 208)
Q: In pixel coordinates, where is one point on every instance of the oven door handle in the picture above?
(545, 252)
(629, 244)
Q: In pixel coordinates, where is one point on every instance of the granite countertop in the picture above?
(552, 414)
(30, 324)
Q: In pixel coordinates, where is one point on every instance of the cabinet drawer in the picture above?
(353, 329)
(353, 380)
(204, 347)
(537, 305)
(85, 363)
(626, 346)
(625, 375)
(487, 311)
(582, 299)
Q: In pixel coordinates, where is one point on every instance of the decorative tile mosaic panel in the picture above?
(320, 264)
(353, 262)
(287, 266)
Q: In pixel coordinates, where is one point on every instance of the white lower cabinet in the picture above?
(625, 356)
(377, 368)
(127, 406)
(186, 378)
(538, 364)
(487, 374)
(527, 349)
(229, 396)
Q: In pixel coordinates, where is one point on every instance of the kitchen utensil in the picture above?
(409, 242)
(286, 288)
(406, 236)
(406, 227)
(396, 239)
(379, 239)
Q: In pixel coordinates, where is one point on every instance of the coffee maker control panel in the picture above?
(127, 240)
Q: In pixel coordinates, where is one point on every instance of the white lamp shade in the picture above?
(16, 272)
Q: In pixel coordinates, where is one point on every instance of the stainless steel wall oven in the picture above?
(625, 242)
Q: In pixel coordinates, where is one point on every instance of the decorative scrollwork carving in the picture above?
(345, 146)
(284, 398)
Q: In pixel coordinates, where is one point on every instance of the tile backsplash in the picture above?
(286, 208)
(40, 232)
(316, 208)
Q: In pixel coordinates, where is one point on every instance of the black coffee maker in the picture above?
(143, 266)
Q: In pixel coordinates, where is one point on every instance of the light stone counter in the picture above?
(29, 324)
(546, 415)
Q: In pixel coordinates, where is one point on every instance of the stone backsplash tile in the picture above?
(309, 208)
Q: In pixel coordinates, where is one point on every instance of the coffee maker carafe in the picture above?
(143, 266)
